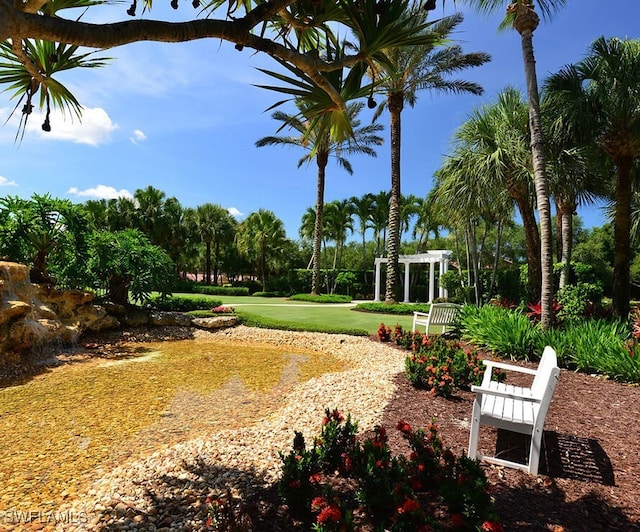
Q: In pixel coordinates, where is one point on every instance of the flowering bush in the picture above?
(396, 493)
(221, 309)
(438, 364)
(384, 333)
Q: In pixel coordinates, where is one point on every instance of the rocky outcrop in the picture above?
(32, 315)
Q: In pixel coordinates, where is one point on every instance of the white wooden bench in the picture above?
(515, 408)
(443, 314)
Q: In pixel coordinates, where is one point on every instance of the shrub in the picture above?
(321, 298)
(184, 303)
(399, 493)
(503, 331)
(221, 290)
(578, 301)
(398, 308)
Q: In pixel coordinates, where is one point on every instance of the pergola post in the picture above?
(406, 282)
(431, 281)
(377, 292)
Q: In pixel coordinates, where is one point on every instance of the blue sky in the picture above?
(184, 118)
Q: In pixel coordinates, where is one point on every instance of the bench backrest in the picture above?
(443, 313)
(546, 378)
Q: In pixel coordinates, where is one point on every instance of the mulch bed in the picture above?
(590, 469)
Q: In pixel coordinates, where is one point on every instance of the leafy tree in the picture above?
(403, 71)
(338, 222)
(129, 264)
(362, 207)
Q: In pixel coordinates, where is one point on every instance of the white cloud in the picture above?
(4, 182)
(138, 135)
(95, 127)
(234, 212)
(101, 192)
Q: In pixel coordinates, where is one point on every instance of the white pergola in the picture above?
(440, 256)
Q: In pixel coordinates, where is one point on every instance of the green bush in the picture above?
(321, 298)
(270, 294)
(398, 308)
(221, 290)
(503, 331)
(184, 303)
(578, 301)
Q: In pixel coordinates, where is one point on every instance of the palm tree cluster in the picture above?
(205, 239)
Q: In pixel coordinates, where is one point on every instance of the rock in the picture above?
(135, 318)
(215, 323)
(169, 319)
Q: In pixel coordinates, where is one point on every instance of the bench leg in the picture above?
(475, 429)
(534, 452)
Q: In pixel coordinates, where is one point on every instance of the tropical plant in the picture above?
(402, 72)
(43, 229)
(262, 238)
(129, 264)
(597, 99)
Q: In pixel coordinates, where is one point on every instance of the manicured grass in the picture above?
(301, 315)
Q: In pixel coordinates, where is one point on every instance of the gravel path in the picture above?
(167, 490)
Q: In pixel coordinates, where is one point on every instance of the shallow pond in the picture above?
(64, 427)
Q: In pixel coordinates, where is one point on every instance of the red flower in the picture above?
(329, 514)
(409, 505)
(457, 520)
(404, 427)
(316, 478)
(492, 526)
(318, 503)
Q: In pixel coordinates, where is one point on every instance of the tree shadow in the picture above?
(197, 496)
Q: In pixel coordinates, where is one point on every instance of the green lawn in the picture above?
(327, 315)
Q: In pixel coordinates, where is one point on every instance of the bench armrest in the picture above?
(416, 313)
(508, 395)
(490, 364)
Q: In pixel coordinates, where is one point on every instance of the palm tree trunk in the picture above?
(622, 232)
(525, 23)
(207, 264)
(496, 260)
(395, 104)
(321, 159)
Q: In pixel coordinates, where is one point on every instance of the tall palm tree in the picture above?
(402, 72)
(262, 238)
(150, 205)
(599, 93)
(521, 16)
(320, 143)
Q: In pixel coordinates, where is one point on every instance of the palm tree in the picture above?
(150, 205)
(215, 226)
(317, 138)
(362, 207)
(599, 94)
(262, 238)
(403, 71)
(491, 156)
(522, 17)
(380, 219)
(338, 221)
